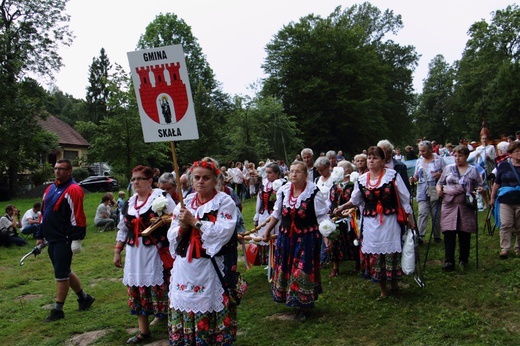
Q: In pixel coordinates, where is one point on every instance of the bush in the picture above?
(79, 174)
(42, 175)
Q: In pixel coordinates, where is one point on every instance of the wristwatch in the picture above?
(198, 225)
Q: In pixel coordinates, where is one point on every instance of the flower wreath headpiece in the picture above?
(207, 165)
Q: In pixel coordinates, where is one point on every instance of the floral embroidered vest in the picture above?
(384, 197)
(159, 234)
(304, 216)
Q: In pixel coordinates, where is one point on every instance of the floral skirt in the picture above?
(148, 300)
(343, 248)
(381, 267)
(203, 328)
(297, 277)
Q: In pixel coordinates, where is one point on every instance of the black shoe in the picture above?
(438, 240)
(448, 267)
(85, 303)
(421, 241)
(463, 264)
(55, 315)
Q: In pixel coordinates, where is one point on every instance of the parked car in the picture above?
(99, 183)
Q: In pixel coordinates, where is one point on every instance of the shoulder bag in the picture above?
(402, 218)
(235, 294)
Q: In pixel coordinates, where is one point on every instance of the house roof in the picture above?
(66, 133)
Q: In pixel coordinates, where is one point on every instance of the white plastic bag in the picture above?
(408, 255)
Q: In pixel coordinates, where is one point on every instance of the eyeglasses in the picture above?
(61, 169)
(138, 179)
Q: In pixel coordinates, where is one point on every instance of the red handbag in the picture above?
(252, 255)
(402, 218)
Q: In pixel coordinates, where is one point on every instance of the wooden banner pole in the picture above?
(177, 176)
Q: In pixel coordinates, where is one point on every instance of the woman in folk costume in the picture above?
(376, 192)
(265, 203)
(346, 246)
(300, 207)
(203, 231)
(143, 270)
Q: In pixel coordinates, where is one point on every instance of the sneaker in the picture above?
(463, 264)
(85, 303)
(55, 315)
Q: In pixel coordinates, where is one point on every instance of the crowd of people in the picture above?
(180, 242)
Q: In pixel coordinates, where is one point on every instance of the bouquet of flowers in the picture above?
(159, 205)
(337, 174)
(329, 229)
(276, 185)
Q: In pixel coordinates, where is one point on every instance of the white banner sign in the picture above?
(163, 92)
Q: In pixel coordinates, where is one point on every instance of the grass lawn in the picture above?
(473, 307)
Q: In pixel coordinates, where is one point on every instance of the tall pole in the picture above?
(177, 176)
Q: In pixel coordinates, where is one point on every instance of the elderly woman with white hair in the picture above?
(361, 163)
(392, 163)
(325, 180)
(168, 184)
(428, 170)
(506, 198)
(346, 246)
(331, 155)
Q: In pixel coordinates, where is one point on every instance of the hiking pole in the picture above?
(476, 239)
(418, 275)
(36, 251)
(487, 224)
(434, 222)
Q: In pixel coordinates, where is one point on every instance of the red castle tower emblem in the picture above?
(161, 87)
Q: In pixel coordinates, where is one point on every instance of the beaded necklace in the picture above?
(371, 186)
(292, 199)
(196, 202)
(137, 207)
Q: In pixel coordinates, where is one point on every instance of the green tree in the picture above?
(31, 31)
(66, 107)
(344, 83)
(97, 90)
(487, 76)
(434, 115)
(261, 130)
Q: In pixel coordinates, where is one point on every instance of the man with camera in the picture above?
(8, 224)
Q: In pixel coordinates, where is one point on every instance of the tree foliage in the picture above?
(30, 33)
(97, 90)
(434, 116)
(261, 130)
(344, 83)
(487, 76)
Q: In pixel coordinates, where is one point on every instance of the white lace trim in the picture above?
(286, 189)
(212, 205)
(185, 300)
(387, 177)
